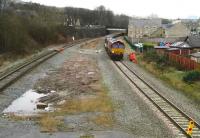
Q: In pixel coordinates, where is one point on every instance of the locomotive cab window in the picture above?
(118, 45)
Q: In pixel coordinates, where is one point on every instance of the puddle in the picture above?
(25, 105)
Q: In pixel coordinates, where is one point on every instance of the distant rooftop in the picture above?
(194, 41)
(145, 22)
(180, 45)
(166, 26)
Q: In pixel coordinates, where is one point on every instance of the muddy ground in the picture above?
(89, 99)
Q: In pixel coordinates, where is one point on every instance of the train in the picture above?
(114, 47)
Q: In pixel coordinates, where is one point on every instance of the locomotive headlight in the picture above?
(113, 51)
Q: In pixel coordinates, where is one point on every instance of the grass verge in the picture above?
(105, 120)
(101, 103)
(173, 77)
(50, 124)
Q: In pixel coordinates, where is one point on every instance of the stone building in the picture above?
(198, 27)
(139, 28)
(194, 42)
(177, 30)
(193, 25)
(159, 33)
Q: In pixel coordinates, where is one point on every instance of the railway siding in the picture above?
(10, 76)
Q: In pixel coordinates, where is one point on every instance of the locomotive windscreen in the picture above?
(118, 45)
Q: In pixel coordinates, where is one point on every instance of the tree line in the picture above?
(30, 26)
(98, 16)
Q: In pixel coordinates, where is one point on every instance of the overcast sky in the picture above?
(163, 8)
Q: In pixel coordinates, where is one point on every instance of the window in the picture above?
(117, 45)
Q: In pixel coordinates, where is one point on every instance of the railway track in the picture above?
(171, 111)
(10, 76)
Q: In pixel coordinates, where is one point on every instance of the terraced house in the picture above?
(176, 30)
(198, 27)
(139, 28)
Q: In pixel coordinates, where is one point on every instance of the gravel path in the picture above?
(175, 96)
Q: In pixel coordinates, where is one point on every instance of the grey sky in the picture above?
(163, 8)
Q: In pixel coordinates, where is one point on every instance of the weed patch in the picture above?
(101, 103)
(105, 120)
(87, 136)
(50, 124)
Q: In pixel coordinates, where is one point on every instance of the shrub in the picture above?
(13, 35)
(191, 76)
(150, 55)
(160, 60)
(22, 35)
(148, 46)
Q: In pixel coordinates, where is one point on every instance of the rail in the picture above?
(171, 111)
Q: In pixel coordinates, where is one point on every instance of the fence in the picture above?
(177, 60)
(129, 42)
(183, 62)
(135, 48)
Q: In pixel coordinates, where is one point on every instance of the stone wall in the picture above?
(90, 32)
(85, 32)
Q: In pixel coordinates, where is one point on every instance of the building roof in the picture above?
(194, 41)
(177, 44)
(195, 54)
(170, 25)
(167, 26)
(180, 45)
(145, 22)
(161, 47)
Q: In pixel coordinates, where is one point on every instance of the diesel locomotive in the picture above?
(115, 48)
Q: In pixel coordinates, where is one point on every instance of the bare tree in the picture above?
(3, 5)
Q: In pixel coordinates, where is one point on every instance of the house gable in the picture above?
(177, 30)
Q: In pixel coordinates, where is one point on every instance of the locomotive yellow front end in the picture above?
(117, 50)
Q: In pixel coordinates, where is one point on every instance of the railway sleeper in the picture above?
(162, 103)
(173, 112)
(195, 133)
(181, 119)
(177, 117)
(163, 106)
(156, 99)
(167, 110)
(154, 96)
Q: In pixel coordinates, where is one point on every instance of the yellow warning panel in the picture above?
(190, 127)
